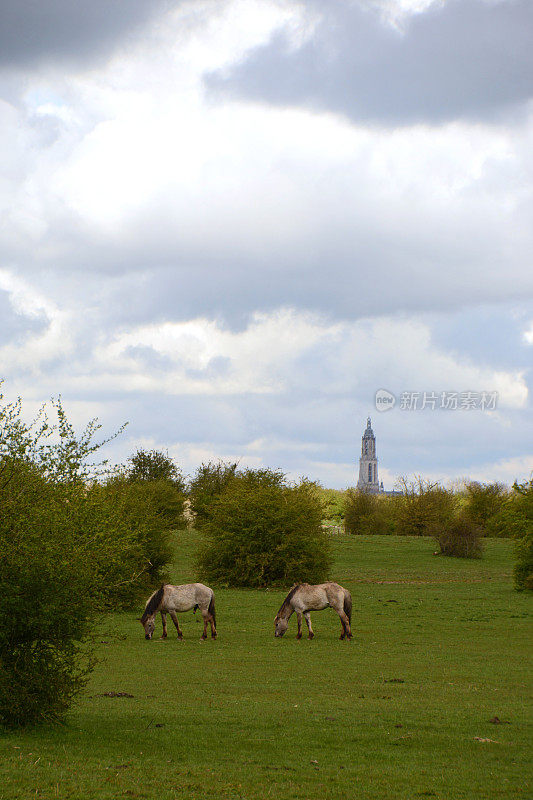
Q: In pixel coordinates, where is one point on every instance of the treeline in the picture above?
(457, 520)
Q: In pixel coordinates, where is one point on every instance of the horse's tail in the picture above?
(153, 603)
(211, 609)
(348, 605)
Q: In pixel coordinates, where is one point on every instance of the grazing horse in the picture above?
(171, 599)
(304, 598)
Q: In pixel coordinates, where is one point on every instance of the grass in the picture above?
(441, 646)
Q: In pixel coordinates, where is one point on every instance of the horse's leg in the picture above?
(299, 618)
(213, 629)
(205, 615)
(345, 622)
(176, 623)
(164, 621)
(307, 616)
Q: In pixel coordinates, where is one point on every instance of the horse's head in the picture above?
(148, 624)
(280, 625)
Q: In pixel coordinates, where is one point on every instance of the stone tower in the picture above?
(368, 463)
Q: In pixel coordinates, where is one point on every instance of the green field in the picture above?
(441, 647)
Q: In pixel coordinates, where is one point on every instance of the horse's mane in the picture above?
(153, 604)
(289, 596)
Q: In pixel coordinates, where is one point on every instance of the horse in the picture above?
(171, 599)
(304, 598)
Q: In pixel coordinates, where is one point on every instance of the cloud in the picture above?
(60, 30)
(236, 276)
(463, 59)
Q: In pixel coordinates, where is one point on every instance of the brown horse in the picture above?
(172, 599)
(304, 598)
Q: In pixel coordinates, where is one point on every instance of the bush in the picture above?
(483, 504)
(67, 550)
(458, 537)
(262, 532)
(422, 506)
(47, 585)
(521, 522)
(132, 540)
(367, 513)
(209, 482)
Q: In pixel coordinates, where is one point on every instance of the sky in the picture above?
(230, 223)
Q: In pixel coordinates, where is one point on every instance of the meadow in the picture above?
(441, 647)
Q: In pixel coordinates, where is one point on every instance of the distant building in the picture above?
(368, 463)
(368, 466)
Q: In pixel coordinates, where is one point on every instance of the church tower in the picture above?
(368, 463)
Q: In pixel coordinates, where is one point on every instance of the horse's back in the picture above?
(186, 596)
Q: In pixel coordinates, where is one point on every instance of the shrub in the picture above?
(333, 504)
(263, 532)
(521, 519)
(367, 513)
(131, 538)
(482, 505)
(67, 549)
(458, 537)
(421, 506)
(47, 587)
(154, 465)
(209, 482)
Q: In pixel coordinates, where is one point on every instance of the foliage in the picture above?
(156, 466)
(68, 548)
(521, 519)
(422, 505)
(482, 505)
(263, 532)
(333, 504)
(46, 586)
(131, 540)
(458, 536)
(367, 513)
(207, 484)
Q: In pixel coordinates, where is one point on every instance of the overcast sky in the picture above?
(231, 222)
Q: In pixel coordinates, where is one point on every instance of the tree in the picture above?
(367, 513)
(483, 502)
(520, 519)
(208, 483)
(69, 547)
(263, 532)
(421, 506)
(154, 465)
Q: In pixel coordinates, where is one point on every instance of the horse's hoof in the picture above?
(342, 636)
(213, 636)
(180, 637)
(203, 637)
(298, 635)
(311, 635)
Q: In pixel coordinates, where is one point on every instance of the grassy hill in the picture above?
(441, 647)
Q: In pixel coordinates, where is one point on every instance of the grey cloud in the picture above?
(33, 31)
(465, 59)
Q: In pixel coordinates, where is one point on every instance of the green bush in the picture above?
(520, 516)
(208, 483)
(47, 585)
(482, 506)
(367, 513)
(262, 532)
(458, 536)
(421, 506)
(68, 548)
